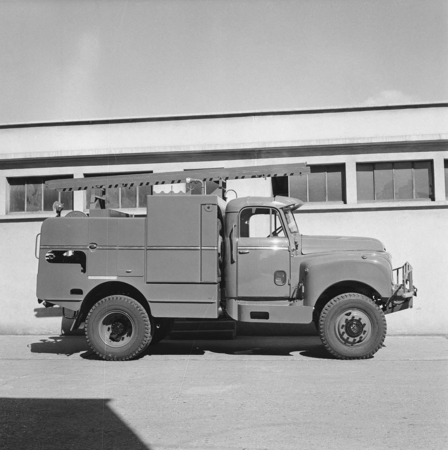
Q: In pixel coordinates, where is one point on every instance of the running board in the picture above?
(196, 329)
(269, 311)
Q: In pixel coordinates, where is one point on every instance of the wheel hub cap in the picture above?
(353, 327)
(116, 329)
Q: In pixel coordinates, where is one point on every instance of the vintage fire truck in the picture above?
(125, 278)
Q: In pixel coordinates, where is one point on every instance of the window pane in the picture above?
(423, 179)
(112, 198)
(91, 193)
(66, 199)
(211, 187)
(34, 196)
(16, 195)
(255, 222)
(323, 183)
(446, 179)
(30, 195)
(280, 186)
(51, 196)
(403, 181)
(194, 188)
(384, 181)
(334, 183)
(121, 197)
(143, 191)
(129, 197)
(298, 187)
(317, 187)
(364, 178)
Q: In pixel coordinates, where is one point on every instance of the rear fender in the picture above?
(104, 290)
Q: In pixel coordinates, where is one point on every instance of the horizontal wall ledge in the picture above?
(306, 208)
(222, 115)
(14, 218)
(228, 154)
(373, 206)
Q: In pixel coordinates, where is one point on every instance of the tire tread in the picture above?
(328, 307)
(147, 327)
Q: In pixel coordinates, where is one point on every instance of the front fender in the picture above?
(321, 272)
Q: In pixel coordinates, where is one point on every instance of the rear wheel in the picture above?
(118, 328)
(352, 326)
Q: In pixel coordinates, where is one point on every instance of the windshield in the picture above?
(291, 221)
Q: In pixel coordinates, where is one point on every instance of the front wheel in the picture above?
(352, 326)
(118, 328)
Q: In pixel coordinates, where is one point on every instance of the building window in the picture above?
(210, 187)
(323, 184)
(120, 197)
(31, 195)
(391, 181)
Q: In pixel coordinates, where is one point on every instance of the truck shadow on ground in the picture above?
(308, 346)
(60, 345)
(43, 423)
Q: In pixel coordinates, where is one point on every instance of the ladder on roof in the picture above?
(203, 175)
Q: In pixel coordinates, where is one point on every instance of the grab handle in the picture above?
(232, 244)
(36, 246)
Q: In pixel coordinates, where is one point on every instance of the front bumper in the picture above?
(403, 290)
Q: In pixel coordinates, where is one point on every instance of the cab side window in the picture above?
(260, 223)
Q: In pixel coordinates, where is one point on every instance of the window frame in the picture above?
(430, 198)
(209, 187)
(32, 180)
(343, 171)
(274, 213)
(113, 174)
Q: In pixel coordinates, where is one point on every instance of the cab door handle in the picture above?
(232, 240)
(243, 252)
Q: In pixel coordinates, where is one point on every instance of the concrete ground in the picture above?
(250, 393)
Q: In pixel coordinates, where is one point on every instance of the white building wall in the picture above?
(412, 231)
(223, 133)
(409, 235)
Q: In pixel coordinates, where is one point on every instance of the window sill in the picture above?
(373, 206)
(306, 208)
(30, 216)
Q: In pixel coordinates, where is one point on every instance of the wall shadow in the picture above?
(55, 424)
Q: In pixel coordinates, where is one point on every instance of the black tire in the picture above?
(118, 328)
(162, 328)
(352, 326)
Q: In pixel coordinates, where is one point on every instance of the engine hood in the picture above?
(324, 244)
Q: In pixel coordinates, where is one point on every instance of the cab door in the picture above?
(263, 255)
